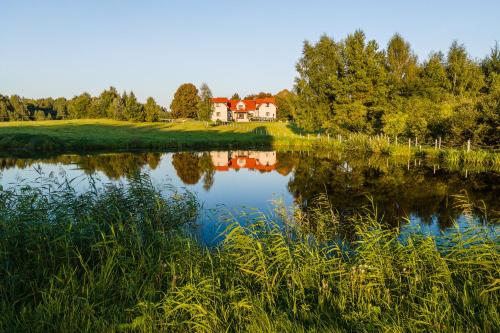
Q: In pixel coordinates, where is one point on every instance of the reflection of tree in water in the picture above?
(113, 166)
(396, 191)
(191, 166)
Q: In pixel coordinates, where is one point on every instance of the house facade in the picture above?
(243, 110)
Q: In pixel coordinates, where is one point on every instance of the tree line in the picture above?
(109, 104)
(352, 85)
(345, 86)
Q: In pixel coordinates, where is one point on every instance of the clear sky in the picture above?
(63, 48)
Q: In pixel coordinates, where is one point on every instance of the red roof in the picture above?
(271, 100)
(220, 100)
(249, 105)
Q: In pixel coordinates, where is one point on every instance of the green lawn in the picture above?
(112, 134)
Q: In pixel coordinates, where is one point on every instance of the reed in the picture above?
(119, 259)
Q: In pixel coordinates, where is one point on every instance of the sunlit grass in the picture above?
(103, 134)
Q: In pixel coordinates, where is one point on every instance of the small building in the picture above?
(220, 110)
(244, 110)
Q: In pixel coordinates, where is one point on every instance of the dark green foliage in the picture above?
(235, 96)
(186, 101)
(351, 86)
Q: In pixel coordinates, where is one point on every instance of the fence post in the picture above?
(416, 141)
(435, 144)
(468, 145)
(409, 143)
(439, 143)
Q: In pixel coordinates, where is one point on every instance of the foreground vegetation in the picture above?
(119, 259)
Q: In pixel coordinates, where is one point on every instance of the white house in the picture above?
(244, 110)
(220, 110)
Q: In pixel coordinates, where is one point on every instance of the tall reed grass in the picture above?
(118, 259)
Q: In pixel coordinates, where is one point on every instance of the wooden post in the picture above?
(436, 144)
(439, 143)
(396, 140)
(416, 141)
(340, 138)
(468, 145)
(409, 144)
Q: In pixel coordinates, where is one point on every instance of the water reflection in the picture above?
(419, 189)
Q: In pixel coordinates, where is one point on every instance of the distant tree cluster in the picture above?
(109, 104)
(354, 86)
(189, 102)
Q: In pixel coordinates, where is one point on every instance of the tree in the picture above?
(285, 104)
(464, 75)
(259, 95)
(433, 78)
(491, 65)
(79, 105)
(185, 102)
(5, 108)
(133, 111)
(116, 109)
(205, 103)
(39, 115)
(60, 108)
(152, 110)
(235, 96)
(401, 64)
(19, 110)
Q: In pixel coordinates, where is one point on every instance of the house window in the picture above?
(241, 106)
(218, 114)
(267, 114)
(267, 104)
(241, 116)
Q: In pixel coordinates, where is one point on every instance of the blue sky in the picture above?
(63, 48)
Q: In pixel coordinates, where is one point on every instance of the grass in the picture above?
(118, 259)
(111, 135)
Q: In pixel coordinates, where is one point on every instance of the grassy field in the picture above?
(110, 135)
(117, 260)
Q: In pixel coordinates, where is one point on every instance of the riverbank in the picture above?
(118, 260)
(60, 136)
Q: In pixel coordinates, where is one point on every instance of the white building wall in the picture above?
(265, 111)
(220, 112)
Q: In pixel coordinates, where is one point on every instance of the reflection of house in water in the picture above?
(253, 160)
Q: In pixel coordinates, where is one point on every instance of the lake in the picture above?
(409, 194)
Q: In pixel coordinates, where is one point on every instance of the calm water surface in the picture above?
(228, 183)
